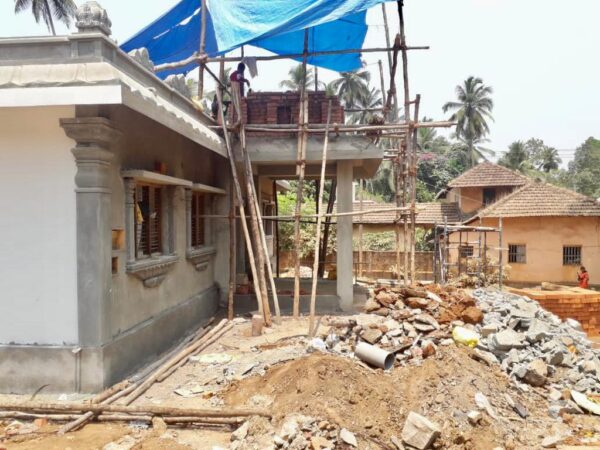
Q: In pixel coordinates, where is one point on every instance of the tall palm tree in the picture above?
(48, 10)
(370, 100)
(351, 86)
(548, 159)
(517, 157)
(428, 140)
(470, 152)
(296, 74)
(471, 112)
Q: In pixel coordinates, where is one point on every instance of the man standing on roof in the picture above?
(584, 278)
(238, 77)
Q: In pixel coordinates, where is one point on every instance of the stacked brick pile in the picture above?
(579, 304)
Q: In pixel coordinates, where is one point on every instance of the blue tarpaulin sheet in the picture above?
(275, 25)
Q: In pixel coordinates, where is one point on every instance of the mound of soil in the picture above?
(374, 404)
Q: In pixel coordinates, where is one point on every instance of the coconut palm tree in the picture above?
(428, 140)
(548, 159)
(471, 112)
(369, 101)
(48, 10)
(296, 74)
(517, 157)
(351, 86)
(470, 152)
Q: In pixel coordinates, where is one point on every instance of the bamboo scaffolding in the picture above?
(127, 409)
(240, 201)
(324, 215)
(360, 228)
(232, 253)
(301, 167)
(337, 128)
(413, 195)
(198, 58)
(313, 291)
(257, 211)
(328, 222)
(202, 49)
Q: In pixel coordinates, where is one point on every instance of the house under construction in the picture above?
(133, 211)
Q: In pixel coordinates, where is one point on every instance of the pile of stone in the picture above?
(410, 322)
(297, 432)
(536, 347)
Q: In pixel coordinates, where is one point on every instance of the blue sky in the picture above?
(540, 56)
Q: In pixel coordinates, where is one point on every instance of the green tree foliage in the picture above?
(585, 168)
(352, 86)
(517, 158)
(48, 11)
(367, 102)
(471, 111)
(294, 82)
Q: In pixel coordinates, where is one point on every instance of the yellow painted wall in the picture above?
(544, 238)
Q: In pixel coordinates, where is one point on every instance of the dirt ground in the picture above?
(274, 371)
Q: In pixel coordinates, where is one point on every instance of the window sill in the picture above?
(200, 256)
(152, 271)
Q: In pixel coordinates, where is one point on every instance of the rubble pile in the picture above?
(410, 322)
(296, 432)
(537, 348)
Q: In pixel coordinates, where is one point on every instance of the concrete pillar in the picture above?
(345, 288)
(94, 137)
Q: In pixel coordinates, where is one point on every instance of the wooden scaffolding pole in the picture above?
(301, 167)
(232, 252)
(262, 251)
(202, 50)
(413, 194)
(409, 137)
(240, 201)
(324, 241)
(392, 91)
(360, 229)
(313, 291)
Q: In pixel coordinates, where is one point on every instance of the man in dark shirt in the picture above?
(238, 77)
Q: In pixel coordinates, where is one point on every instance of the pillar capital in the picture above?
(90, 131)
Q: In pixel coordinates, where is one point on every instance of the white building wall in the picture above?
(38, 264)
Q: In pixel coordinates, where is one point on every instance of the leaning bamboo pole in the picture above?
(262, 244)
(240, 202)
(328, 222)
(301, 167)
(360, 229)
(313, 291)
(202, 49)
(407, 103)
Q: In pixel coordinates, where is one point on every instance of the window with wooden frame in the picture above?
(517, 253)
(489, 196)
(198, 221)
(571, 255)
(148, 220)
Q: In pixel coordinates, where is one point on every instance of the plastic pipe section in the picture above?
(374, 355)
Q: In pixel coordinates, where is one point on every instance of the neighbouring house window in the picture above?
(465, 251)
(198, 221)
(571, 255)
(268, 210)
(489, 196)
(148, 220)
(516, 253)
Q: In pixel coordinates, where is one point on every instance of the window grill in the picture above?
(466, 251)
(148, 233)
(517, 253)
(198, 222)
(571, 255)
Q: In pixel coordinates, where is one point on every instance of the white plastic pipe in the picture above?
(374, 355)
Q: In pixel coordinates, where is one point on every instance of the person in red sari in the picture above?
(583, 277)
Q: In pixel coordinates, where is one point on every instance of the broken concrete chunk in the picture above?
(482, 402)
(371, 335)
(348, 437)
(371, 305)
(489, 329)
(537, 330)
(551, 441)
(426, 319)
(507, 340)
(474, 417)
(537, 373)
(419, 432)
(574, 324)
(241, 433)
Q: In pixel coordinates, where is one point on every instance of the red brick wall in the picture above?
(581, 306)
(261, 108)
